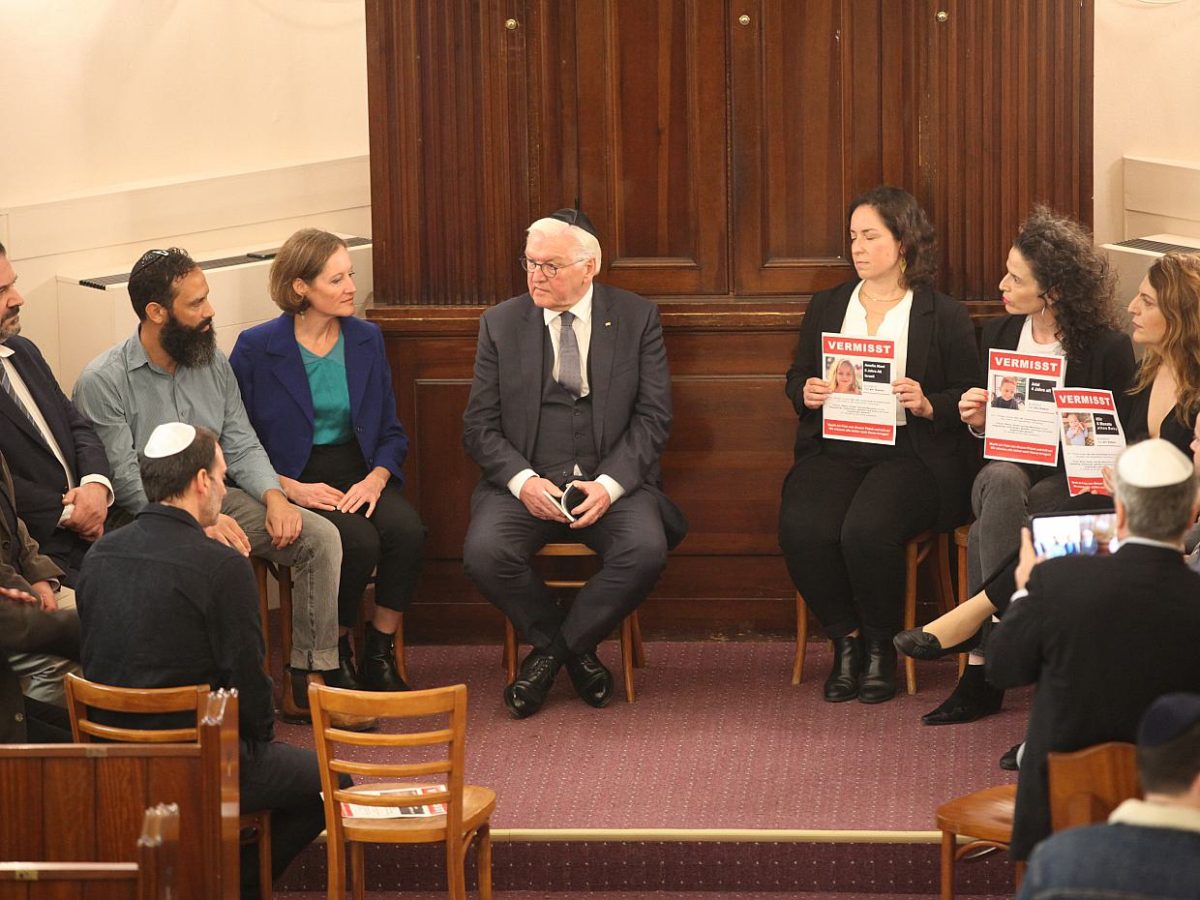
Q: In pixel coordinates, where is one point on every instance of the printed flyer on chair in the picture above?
(861, 406)
(1022, 420)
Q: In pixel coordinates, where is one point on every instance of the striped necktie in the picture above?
(6, 383)
(569, 370)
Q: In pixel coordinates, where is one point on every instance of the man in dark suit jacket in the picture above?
(571, 388)
(58, 465)
(1103, 636)
(29, 623)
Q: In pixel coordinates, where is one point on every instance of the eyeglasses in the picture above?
(549, 269)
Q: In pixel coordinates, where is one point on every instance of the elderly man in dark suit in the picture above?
(28, 623)
(571, 388)
(58, 465)
(1103, 636)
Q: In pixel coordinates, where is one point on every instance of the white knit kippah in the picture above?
(168, 439)
(1153, 463)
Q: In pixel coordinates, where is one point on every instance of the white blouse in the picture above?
(894, 327)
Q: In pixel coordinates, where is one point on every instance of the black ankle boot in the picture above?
(973, 698)
(378, 668)
(343, 676)
(842, 683)
(878, 682)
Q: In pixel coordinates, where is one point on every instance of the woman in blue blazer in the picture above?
(318, 389)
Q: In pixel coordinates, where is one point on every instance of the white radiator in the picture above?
(94, 312)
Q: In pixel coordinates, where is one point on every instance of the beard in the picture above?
(10, 324)
(191, 348)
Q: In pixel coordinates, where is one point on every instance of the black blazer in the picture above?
(1102, 637)
(941, 357)
(36, 472)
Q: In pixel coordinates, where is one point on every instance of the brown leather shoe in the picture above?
(295, 689)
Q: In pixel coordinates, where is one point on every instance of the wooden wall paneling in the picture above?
(789, 154)
(652, 137)
(118, 822)
(23, 836)
(71, 819)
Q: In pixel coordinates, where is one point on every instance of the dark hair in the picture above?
(1175, 277)
(1170, 768)
(169, 476)
(1064, 260)
(3, 252)
(910, 226)
(302, 256)
(154, 277)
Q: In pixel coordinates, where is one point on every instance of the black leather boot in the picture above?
(878, 682)
(378, 668)
(343, 676)
(842, 683)
(973, 698)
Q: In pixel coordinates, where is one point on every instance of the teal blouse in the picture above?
(330, 394)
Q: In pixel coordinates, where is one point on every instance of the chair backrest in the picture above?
(83, 695)
(411, 745)
(1087, 785)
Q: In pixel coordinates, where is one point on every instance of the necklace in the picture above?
(866, 296)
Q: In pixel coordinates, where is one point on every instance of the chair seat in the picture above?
(986, 814)
(478, 803)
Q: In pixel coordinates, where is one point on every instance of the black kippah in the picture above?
(575, 217)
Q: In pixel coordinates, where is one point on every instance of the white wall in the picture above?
(1147, 95)
(210, 124)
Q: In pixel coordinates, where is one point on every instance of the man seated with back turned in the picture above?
(171, 370)
(161, 605)
(29, 623)
(1150, 847)
(1102, 636)
(571, 387)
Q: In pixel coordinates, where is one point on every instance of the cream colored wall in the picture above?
(1147, 95)
(210, 124)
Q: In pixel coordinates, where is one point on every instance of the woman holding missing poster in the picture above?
(1058, 293)
(849, 507)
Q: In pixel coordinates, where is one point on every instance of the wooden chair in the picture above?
(283, 578)
(152, 877)
(468, 807)
(633, 654)
(83, 694)
(1087, 785)
(916, 551)
(986, 817)
(960, 542)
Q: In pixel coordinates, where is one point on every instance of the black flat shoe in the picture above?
(1008, 762)
(842, 683)
(878, 682)
(922, 645)
(528, 691)
(592, 681)
(972, 698)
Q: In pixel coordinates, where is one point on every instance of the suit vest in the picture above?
(565, 438)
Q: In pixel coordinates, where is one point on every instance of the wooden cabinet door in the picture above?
(650, 139)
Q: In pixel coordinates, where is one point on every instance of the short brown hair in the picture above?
(167, 477)
(302, 256)
(909, 225)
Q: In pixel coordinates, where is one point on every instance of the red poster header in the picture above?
(1079, 398)
(877, 347)
(1022, 364)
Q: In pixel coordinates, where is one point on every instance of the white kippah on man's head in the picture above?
(1152, 464)
(168, 439)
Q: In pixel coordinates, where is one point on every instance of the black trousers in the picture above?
(388, 544)
(287, 781)
(503, 537)
(844, 518)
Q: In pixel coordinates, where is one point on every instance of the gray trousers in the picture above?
(1002, 498)
(315, 558)
(42, 674)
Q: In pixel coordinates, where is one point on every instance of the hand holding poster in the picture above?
(1022, 420)
(860, 405)
(1091, 436)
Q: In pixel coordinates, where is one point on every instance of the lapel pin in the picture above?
(606, 324)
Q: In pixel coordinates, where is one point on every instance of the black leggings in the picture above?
(389, 543)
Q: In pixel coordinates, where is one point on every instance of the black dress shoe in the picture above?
(842, 683)
(1008, 762)
(922, 645)
(878, 682)
(972, 698)
(344, 675)
(378, 669)
(528, 691)
(592, 681)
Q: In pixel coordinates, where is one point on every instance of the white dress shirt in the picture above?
(894, 327)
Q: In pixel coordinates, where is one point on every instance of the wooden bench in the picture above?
(86, 802)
